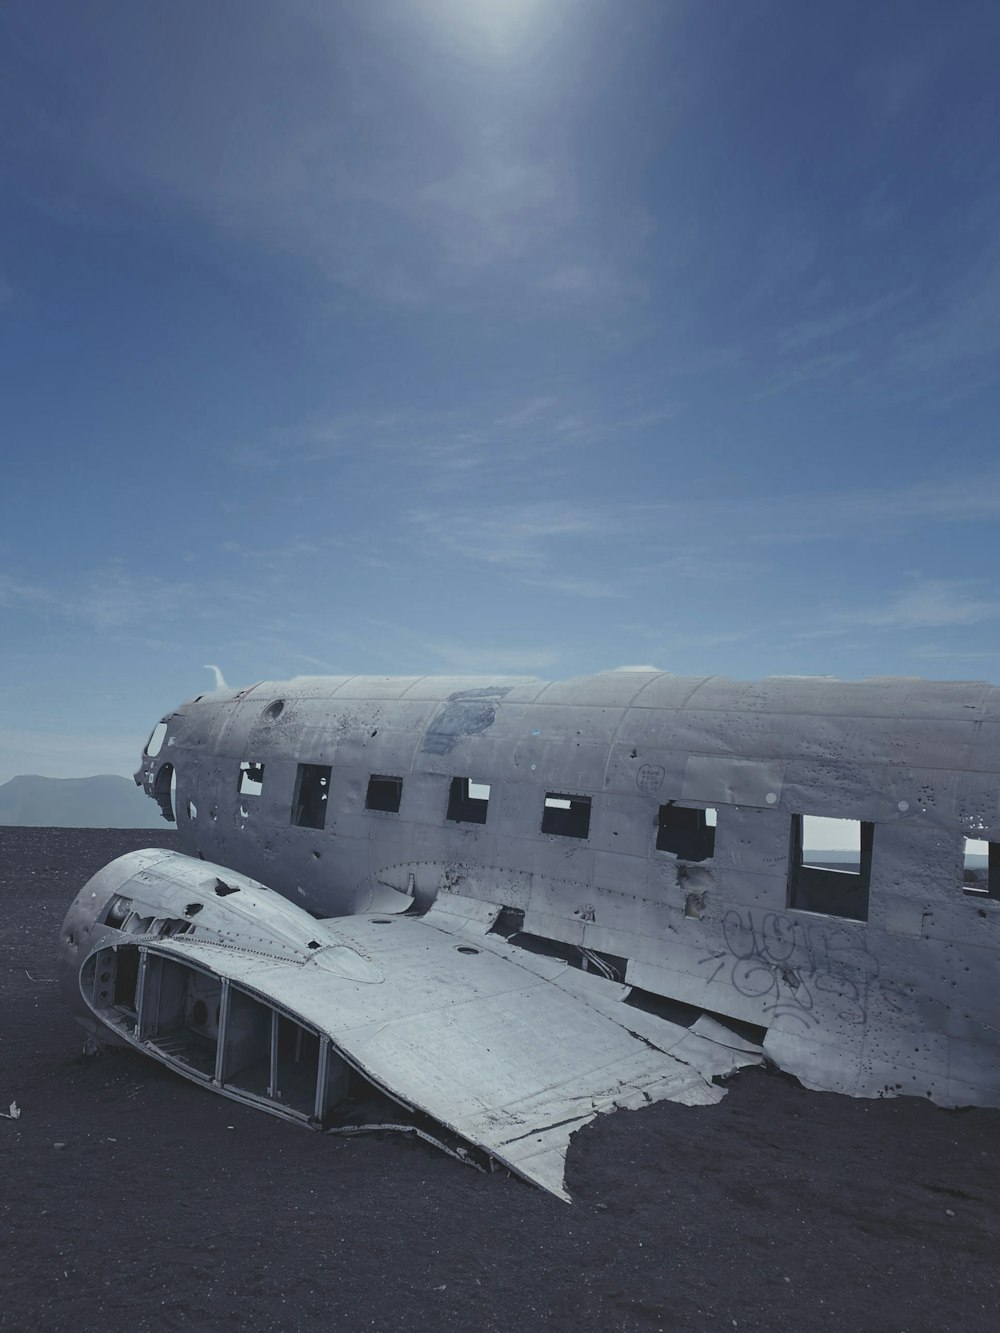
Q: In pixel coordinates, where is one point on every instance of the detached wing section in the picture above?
(476, 1044)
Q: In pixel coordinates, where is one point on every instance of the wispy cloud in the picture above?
(808, 371)
(16, 592)
(957, 349)
(381, 167)
(112, 599)
(841, 320)
(447, 448)
(499, 203)
(871, 514)
(570, 546)
(535, 543)
(475, 657)
(935, 604)
(927, 604)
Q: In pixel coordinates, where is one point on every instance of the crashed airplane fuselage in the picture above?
(506, 905)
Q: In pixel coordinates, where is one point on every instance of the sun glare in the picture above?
(494, 28)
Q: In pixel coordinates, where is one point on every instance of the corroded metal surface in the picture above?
(501, 1048)
(555, 807)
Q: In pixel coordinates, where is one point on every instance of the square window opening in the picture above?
(312, 790)
(251, 778)
(829, 869)
(384, 793)
(468, 801)
(566, 816)
(981, 868)
(688, 834)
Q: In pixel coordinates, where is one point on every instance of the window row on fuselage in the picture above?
(834, 881)
(687, 833)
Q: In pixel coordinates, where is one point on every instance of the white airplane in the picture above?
(487, 910)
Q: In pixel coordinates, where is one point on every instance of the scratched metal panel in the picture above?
(392, 752)
(567, 723)
(579, 771)
(552, 860)
(732, 781)
(515, 689)
(668, 691)
(978, 803)
(837, 790)
(314, 731)
(611, 689)
(426, 798)
(745, 697)
(688, 732)
(640, 769)
(601, 907)
(750, 888)
(984, 755)
(946, 699)
(931, 743)
(624, 826)
(884, 698)
(646, 730)
(377, 687)
(300, 687)
(484, 758)
(751, 838)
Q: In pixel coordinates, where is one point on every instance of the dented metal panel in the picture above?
(501, 1048)
(886, 985)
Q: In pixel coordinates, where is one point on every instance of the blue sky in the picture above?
(470, 336)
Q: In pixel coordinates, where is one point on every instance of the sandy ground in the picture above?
(130, 1199)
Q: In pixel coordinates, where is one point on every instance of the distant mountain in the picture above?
(106, 801)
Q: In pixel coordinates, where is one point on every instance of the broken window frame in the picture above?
(686, 831)
(165, 792)
(251, 778)
(975, 883)
(829, 890)
(561, 822)
(156, 738)
(385, 789)
(311, 798)
(463, 808)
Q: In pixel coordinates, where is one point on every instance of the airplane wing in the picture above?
(488, 1049)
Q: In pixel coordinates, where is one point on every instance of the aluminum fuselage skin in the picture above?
(902, 1001)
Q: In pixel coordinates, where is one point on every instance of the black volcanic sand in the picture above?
(132, 1200)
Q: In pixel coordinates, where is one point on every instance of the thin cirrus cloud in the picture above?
(927, 604)
(381, 170)
(525, 538)
(935, 604)
(448, 448)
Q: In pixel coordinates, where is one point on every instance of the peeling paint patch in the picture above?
(467, 713)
